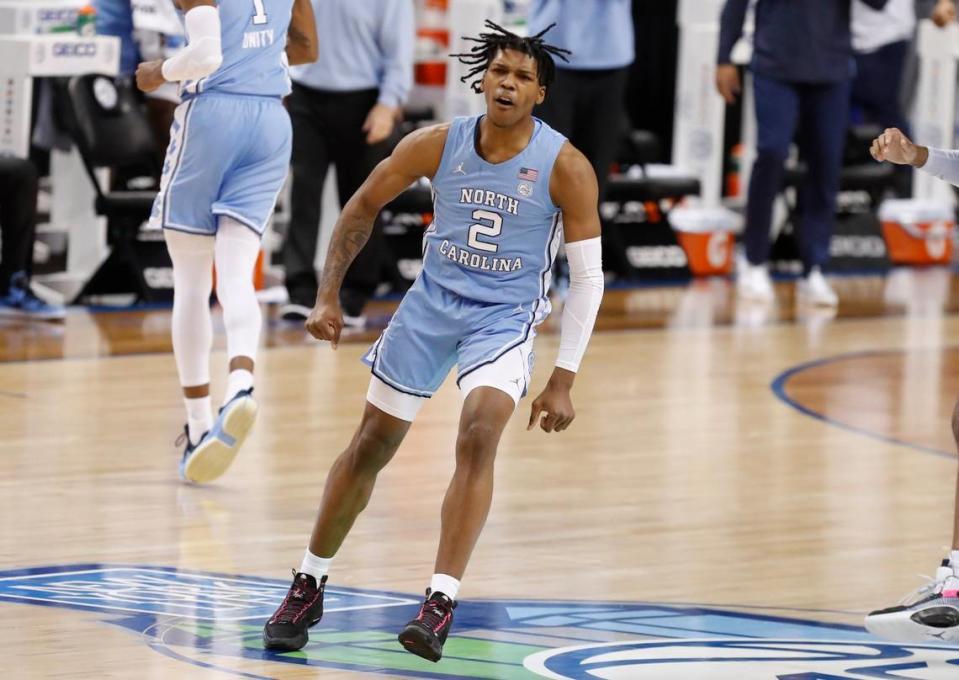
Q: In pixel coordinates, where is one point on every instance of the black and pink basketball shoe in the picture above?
(426, 634)
(287, 629)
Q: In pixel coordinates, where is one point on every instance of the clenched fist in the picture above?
(893, 146)
(553, 408)
(150, 75)
(326, 321)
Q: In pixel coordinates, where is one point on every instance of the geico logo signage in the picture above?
(158, 277)
(83, 49)
(57, 16)
(857, 246)
(653, 257)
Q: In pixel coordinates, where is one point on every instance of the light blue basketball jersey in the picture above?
(495, 229)
(230, 141)
(253, 40)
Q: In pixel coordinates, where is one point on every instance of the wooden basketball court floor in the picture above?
(741, 485)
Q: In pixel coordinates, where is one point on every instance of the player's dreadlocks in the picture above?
(490, 44)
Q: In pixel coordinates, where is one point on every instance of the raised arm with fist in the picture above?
(893, 146)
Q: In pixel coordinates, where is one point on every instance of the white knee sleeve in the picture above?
(237, 248)
(192, 258)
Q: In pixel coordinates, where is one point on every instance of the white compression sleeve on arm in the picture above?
(582, 302)
(202, 55)
(943, 164)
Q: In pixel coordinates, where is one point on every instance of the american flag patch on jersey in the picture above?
(528, 174)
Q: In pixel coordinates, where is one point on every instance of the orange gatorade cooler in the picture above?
(707, 235)
(917, 231)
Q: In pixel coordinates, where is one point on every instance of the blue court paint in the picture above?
(195, 616)
(780, 382)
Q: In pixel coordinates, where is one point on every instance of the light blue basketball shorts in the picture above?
(435, 329)
(228, 155)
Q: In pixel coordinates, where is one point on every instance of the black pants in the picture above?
(327, 128)
(876, 93)
(587, 107)
(18, 218)
(877, 85)
(820, 114)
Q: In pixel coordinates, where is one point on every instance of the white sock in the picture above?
(315, 566)
(199, 417)
(954, 560)
(443, 583)
(240, 379)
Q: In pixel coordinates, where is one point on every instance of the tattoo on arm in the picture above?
(417, 155)
(351, 234)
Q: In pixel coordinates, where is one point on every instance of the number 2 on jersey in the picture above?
(491, 225)
(259, 17)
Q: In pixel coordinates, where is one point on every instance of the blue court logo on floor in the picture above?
(215, 621)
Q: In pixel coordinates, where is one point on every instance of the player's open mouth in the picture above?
(503, 101)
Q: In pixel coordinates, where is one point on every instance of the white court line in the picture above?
(385, 600)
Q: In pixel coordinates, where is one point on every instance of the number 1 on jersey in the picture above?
(259, 17)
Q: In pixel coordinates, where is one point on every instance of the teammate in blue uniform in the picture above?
(506, 187)
(228, 157)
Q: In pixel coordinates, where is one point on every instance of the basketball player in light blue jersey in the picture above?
(506, 189)
(228, 157)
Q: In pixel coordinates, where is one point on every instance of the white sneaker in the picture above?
(753, 283)
(929, 614)
(814, 289)
(294, 312)
(357, 322)
(213, 454)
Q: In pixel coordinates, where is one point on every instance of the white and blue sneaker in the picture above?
(21, 302)
(189, 448)
(211, 456)
(931, 614)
